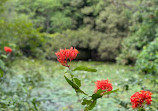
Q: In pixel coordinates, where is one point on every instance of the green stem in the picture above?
(79, 100)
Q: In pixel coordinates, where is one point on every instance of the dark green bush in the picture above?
(18, 32)
(142, 32)
(91, 44)
(147, 61)
(100, 39)
(79, 39)
(21, 34)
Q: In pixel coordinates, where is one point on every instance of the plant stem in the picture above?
(79, 100)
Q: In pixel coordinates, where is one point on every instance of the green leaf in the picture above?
(141, 109)
(85, 101)
(82, 68)
(99, 95)
(100, 91)
(86, 108)
(34, 104)
(96, 96)
(80, 91)
(92, 105)
(77, 81)
(71, 83)
(4, 56)
(77, 89)
(1, 72)
(70, 72)
(2, 65)
(111, 92)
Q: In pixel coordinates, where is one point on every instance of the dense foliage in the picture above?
(143, 31)
(148, 59)
(96, 27)
(92, 44)
(20, 34)
(102, 20)
(121, 31)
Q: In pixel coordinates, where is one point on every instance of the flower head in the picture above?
(73, 53)
(103, 85)
(7, 49)
(64, 55)
(140, 98)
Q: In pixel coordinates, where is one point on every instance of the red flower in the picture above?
(73, 53)
(140, 98)
(7, 49)
(103, 85)
(64, 55)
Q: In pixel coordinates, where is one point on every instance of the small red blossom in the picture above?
(7, 49)
(140, 98)
(103, 85)
(64, 55)
(73, 53)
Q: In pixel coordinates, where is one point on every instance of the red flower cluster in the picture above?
(64, 55)
(7, 49)
(140, 98)
(103, 85)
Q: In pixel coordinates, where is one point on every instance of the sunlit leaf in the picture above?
(71, 83)
(77, 81)
(82, 68)
(80, 91)
(99, 91)
(111, 92)
(77, 89)
(4, 56)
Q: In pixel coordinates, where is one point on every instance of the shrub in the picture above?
(79, 39)
(105, 25)
(142, 31)
(147, 61)
(92, 44)
(20, 34)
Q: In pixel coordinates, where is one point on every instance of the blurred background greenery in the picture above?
(117, 37)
